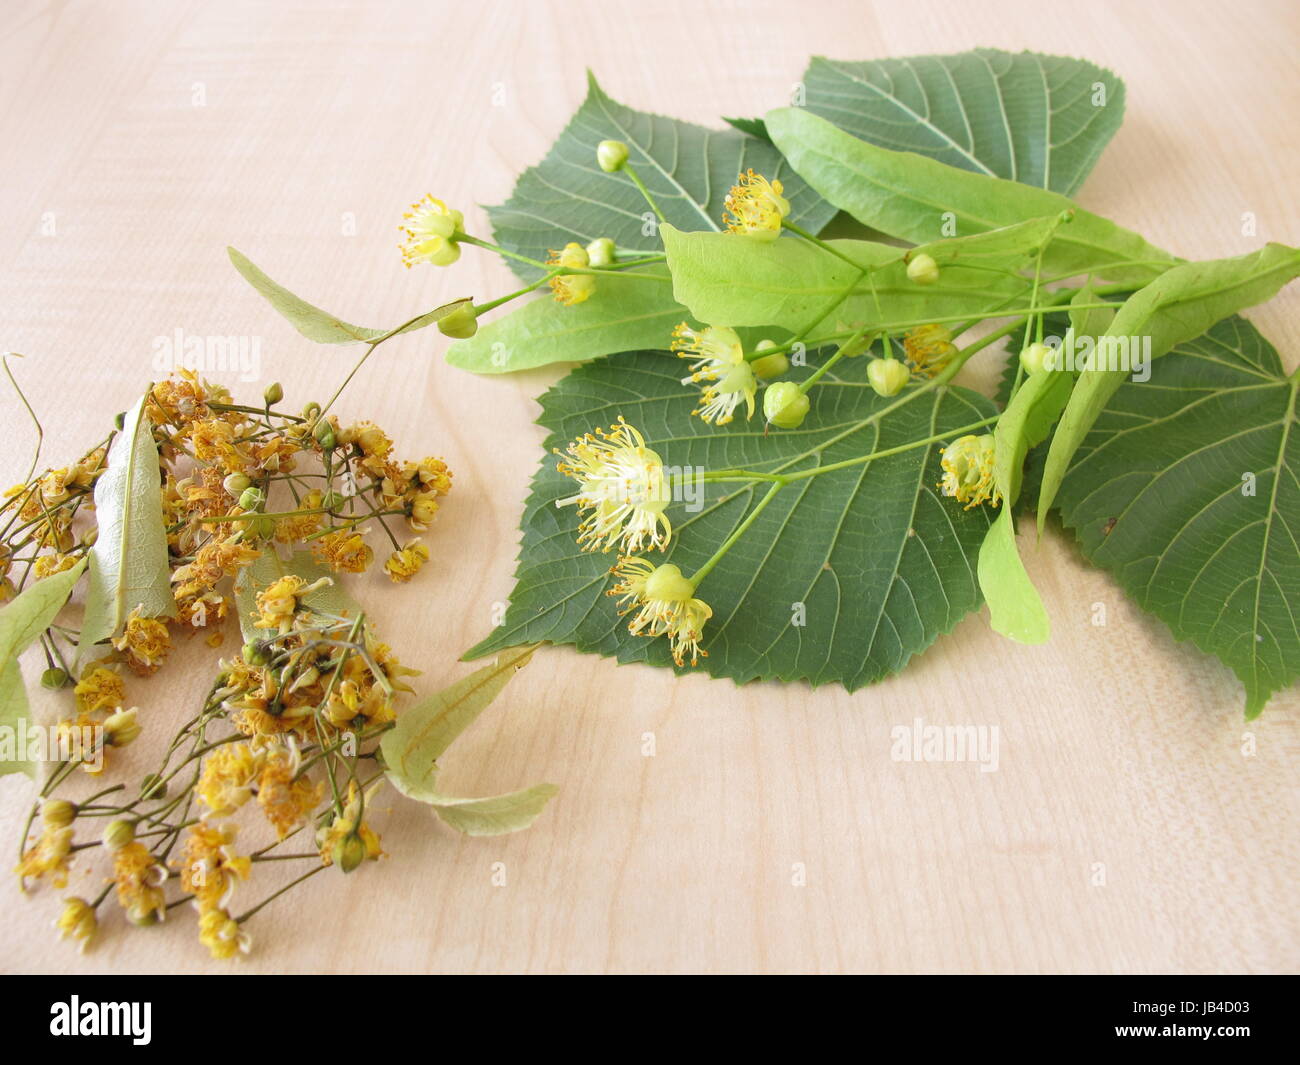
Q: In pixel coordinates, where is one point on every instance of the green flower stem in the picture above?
(483, 308)
(739, 531)
(800, 231)
(276, 894)
(221, 519)
(636, 180)
(465, 238)
(825, 368)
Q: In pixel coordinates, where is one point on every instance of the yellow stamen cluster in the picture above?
(968, 471)
(139, 877)
(755, 207)
(404, 564)
(665, 605)
(572, 288)
(431, 228)
(144, 643)
(928, 349)
(623, 486)
(718, 362)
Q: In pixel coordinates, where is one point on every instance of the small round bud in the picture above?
(460, 324)
(153, 787)
(324, 434)
(767, 367)
(235, 483)
(667, 583)
(142, 918)
(54, 678)
(784, 405)
(611, 155)
(262, 527)
(273, 393)
(119, 420)
(312, 411)
(118, 834)
(58, 813)
(333, 500)
(887, 376)
(601, 252)
(923, 270)
(255, 653)
(121, 728)
(349, 852)
(1035, 357)
(251, 498)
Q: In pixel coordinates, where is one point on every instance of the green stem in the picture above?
(636, 180)
(703, 571)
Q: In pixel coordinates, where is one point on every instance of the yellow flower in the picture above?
(719, 362)
(139, 877)
(216, 559)
(423, 506)
(285, 797)
(209, 866)
(77, 922)
(622, 482)
(572, 288)
(928, 349)
(432, 475)
(220, 933)
(665, 605)
(755, 206)
(279, 601)
(344, 551)
(404, 564)
(431, 229)
(968, 471)
(179, 401)
(49, 565)
(144, 643)
(301, 526)
(99, 689)
(228, 776)
(49, 855)
(348, 824)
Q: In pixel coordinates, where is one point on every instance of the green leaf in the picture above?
(268, 568)
(1174, 308)
(789, 283)
(1159, 494)
(842, 578)
(321, 326)
(914, 198)
(21, 624)
(128, 562)
(1033, 118)
(423, 733)
(622, 315)
(688, 170)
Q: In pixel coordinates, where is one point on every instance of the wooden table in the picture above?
(1124, 830)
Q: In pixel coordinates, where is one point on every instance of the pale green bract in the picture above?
(423, 733)
(21, 623)
(128, 562)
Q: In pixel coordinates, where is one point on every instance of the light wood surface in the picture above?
(1119, 747)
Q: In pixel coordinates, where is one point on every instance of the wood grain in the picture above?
(1119, 747)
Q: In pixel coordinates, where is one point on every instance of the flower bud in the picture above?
(324, 434)
(611, 155)
(887, 376)
(235, 483)
(153, 787)
(121, 728)
(54, 678)
(119, 420)
(58, 813)
(118, 834)
(273, 393)
(769, 366)
(601, 252)
(667, 583)
(923, 270)
(460, 324)
(251, 498)
(262, 527)
(333, 500)
(311, 412)
(255, 653)
(784, 405)
(1035, 357)
(349, 852)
